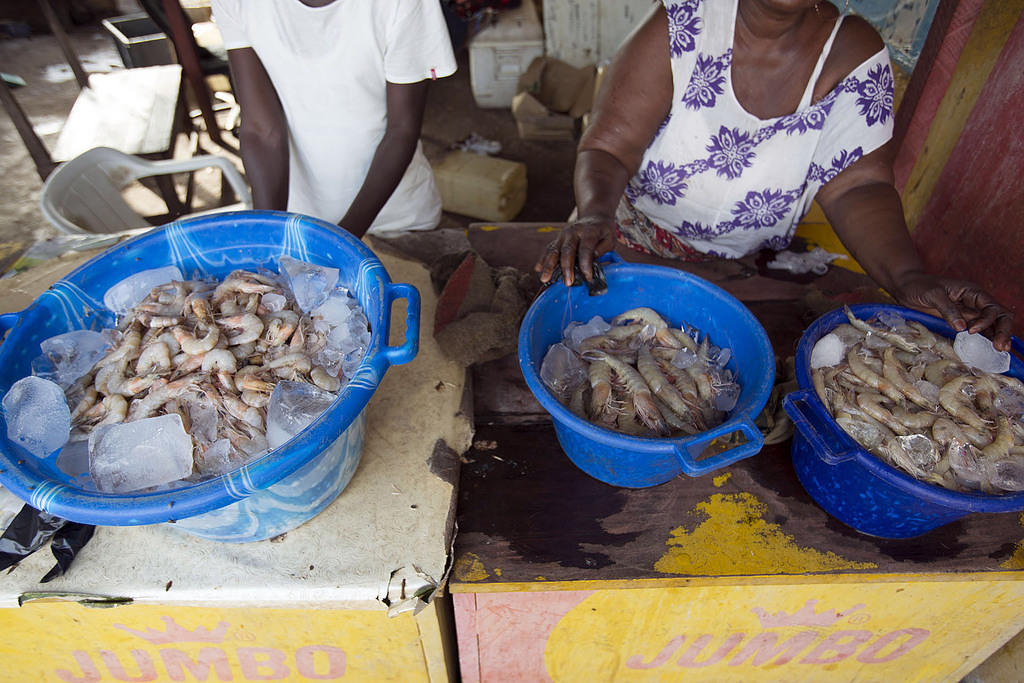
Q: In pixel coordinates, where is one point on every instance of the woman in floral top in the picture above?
(718, 150)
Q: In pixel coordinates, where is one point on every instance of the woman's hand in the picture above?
(964, 305)
(579, 242)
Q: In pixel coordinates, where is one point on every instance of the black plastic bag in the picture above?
(31, 529)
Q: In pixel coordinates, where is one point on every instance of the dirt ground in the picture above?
(51, 89)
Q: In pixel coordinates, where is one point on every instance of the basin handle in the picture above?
(812, 420)
(687, 453)
(8, 321)
(399, 355)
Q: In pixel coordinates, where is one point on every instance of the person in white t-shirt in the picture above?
(332, 94)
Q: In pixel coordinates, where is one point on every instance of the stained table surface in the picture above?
(528, 515)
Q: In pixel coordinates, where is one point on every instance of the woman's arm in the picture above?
(865, 211)
(634, 99)
(264, 131)
(405, 104)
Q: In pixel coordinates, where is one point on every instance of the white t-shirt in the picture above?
(330, 66)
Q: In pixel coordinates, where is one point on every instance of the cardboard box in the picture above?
(552, 96)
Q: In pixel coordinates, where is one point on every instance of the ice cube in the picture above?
(216, 459)
(866, 434)
(73, 459)
(310, 284)
(37, 415)
(920, 449)
(576, 331)
(892, 320)
(73, 353)
(336, 308)
(130, 291)
(293, 406)
(1009, 402)
(875, 342)
(928, 390)
(828, 351)
(1008, 474)
(966, 464)
(273, 301)
(562, 370)
(977, 351)
(719, 358)
(726, 396)
(684, 358)
(136, 455)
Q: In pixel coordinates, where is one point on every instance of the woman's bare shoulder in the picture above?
(856, 42)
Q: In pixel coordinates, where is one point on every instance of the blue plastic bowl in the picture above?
(849, 482)
(270, 495)
(632, 461)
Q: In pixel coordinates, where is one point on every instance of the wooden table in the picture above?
(736, 575)
(352, 594)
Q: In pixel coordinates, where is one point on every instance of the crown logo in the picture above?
(177, 634)
(805, 616)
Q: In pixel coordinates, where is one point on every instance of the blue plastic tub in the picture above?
(632, 461)
(270, 495)
(853, 485)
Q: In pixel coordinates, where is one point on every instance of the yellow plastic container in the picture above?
(480, 186)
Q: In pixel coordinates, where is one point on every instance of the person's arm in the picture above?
(634, 99)
(405, 106)
(865, 211)
(263, 135)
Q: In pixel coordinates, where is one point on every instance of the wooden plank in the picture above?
(939, 76)
(921, 632)
(979, 57)
(970, 228)
(527, 515)
(944, 14)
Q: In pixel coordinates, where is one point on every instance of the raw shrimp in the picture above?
(891, 337)
(249, 327)
(871, 404)
(637, 391)
(951, 397)
(893, 371)
(659, 384)
(155, 356)
(324, 379)
(872, 379)
(279, 327)
(602, 405)
(193, 346)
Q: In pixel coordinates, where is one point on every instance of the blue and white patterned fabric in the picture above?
(725, 183)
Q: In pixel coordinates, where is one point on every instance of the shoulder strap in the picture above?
(805, 101)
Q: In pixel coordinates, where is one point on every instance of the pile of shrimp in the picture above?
(210, 352)
(646, 378)
(904, 395)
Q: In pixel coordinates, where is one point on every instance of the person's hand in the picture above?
(964, 305)
(579, 242)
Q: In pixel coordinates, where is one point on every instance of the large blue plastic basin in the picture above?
(272, 494)
(853, 485)
(632, 461)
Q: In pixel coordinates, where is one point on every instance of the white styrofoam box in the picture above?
(583, 32)
(500, 54)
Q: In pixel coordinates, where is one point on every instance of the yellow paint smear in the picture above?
(720, 480)
(735, 539)
(470, 568)
(1016, 560)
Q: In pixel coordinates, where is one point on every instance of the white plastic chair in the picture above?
(83, 195)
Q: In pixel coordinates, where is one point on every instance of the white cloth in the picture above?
(719, 181)
(330, 66)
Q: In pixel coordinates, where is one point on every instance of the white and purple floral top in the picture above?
(725, 183)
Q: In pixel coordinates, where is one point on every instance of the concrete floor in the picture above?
(451, 116)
